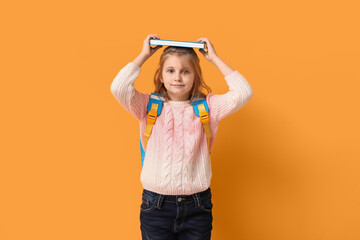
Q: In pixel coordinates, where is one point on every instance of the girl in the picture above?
(176, 172)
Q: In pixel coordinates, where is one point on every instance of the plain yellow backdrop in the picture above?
(285, 166)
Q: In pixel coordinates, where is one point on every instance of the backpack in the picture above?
(154, 108)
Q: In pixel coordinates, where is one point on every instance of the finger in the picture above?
(203, 39)
(207, 43)
(152, 36)
(147, 38)
(155, 36)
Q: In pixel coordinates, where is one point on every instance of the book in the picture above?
(177, 43)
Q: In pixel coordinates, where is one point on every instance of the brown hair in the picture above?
(199, 84)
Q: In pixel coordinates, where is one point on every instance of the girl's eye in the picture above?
(171, 71)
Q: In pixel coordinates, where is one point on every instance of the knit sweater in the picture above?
(177, 158)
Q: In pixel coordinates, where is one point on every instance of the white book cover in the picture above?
(177, 43)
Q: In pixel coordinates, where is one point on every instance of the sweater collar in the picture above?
(171, 102)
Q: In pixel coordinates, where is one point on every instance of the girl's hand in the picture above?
(148, 51)
(210, 55)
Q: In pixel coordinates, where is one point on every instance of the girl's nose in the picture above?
(178, 77)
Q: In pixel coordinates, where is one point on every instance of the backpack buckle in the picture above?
(203, 114)
(153, 113)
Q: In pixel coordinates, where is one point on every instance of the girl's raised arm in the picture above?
(212, 57)
(123, 88)
(239, 92)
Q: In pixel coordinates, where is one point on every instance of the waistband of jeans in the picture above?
(175, 198)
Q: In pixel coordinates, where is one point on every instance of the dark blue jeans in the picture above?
(182, 217)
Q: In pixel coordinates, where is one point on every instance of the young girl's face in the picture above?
(178, 77)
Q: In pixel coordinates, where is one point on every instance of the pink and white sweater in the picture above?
(177, 160)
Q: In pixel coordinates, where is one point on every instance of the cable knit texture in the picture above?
(177, 160)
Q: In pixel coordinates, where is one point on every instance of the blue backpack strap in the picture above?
(154, 98)
(198, 101)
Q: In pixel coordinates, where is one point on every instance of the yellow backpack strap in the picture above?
(151, 119)
(202, 111)
(154, 110)
(204, 117)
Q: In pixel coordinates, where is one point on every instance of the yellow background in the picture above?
(285, 166)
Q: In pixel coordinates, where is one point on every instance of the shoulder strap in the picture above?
(154, 110)
(201, 109)
(156, 98)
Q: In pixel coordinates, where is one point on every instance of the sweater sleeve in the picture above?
(125, 93)
(226, 104)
